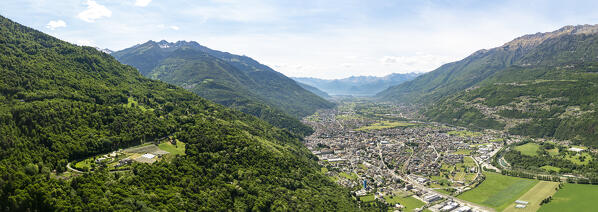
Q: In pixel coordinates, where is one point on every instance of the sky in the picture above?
(308, 38)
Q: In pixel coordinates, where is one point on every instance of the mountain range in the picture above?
(357, 85)
(61, 103)
(232, 80)
(540, 85)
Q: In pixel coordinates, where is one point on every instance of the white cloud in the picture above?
(142, 3)
(172, 27)
(94, 11)
(85, 42)
(55, 24)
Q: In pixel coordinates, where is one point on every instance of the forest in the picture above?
(60, 102)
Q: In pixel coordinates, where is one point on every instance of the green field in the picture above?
(465, 133)
(573, 197)
(498, 191)
(410, 203)
(367, 198)
(179, 149)
(534, 196)
(549, 168)
(351, 176)
(463, 152)
(385, 125)
(529, 149)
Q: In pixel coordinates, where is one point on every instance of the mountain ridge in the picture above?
(232, 80)
(356, 85)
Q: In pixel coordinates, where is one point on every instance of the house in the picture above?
(124, 162)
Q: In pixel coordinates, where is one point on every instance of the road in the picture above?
(474, 206)
(68, 166)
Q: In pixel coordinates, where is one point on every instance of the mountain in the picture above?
(61, 103)
(235, 81)
(314, 90)
(272, 87)
(525, 51)
(357, 85)
(540, 85)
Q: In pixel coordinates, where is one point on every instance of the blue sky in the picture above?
(325, 38)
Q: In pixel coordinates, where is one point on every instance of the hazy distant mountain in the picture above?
(541, 85)
(314, 90)
(357, 85)
(231, 80)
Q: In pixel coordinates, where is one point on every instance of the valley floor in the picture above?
(373, 149)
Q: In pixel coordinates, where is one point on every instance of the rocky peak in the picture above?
(532, 40)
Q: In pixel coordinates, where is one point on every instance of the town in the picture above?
(389, 161)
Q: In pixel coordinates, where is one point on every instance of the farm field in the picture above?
(385, 125)
(498, 191)
(529, 149)
(409, 203)
(573, 197)
(534, 196)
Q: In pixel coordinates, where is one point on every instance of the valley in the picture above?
(383, 157)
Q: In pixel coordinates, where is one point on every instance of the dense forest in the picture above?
(60, 102)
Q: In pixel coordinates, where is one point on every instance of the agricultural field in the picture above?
(498, 191)
(534, 196)
(573, 197)
(408, 202)
(529, 149)
(385, 125)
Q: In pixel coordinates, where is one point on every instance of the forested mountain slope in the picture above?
(568, 44)
(228, 79)
(541, 85)
(60, 102)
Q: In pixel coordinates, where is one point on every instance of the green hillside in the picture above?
(541, 85)
(60, 103)
(570, 44)
(231, 80)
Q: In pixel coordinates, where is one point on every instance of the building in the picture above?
(431, 198)
(463, 209)
(449, 206)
